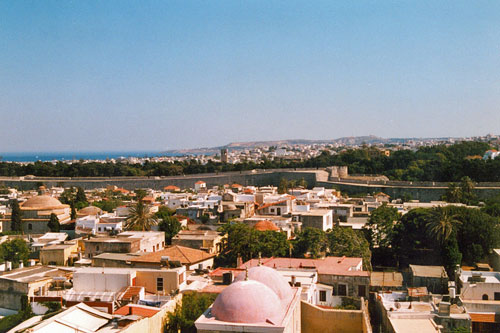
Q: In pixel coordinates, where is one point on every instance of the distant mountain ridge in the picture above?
(348, 141)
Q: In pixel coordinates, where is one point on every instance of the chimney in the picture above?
(129, 310)
(31, 262)
(21, 264)
(8, 266)
(293, 280)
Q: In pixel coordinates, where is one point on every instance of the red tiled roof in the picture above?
(484, 317)
(236, 186)
(130, 292)
(148, 199)
(265, 225)
(218, 272)
(200, 182)
(186, 255)
(171, 187)
(138, 310)
(271, 204)
(327, 266)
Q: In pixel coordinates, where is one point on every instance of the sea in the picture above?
(71, 156)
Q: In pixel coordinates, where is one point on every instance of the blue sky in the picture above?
(155, 75)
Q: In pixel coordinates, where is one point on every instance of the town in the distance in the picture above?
(354, 235)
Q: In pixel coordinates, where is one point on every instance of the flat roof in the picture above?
(112, 240)
(386, 279)
(32, 274)
(489, 277)
(57, 247)
(429, 271)
(314, 212)
(117, 256)
(413, 325)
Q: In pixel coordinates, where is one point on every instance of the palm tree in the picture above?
(442, 224)
(140, 217)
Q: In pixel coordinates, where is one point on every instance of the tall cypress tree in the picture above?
(53, 224)
(73, 210)
(80, 196)
(15, 217)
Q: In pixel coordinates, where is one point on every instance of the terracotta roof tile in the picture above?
(327, 266)
(484, 317)
(138, 310)
(265, 225)
(185, 255)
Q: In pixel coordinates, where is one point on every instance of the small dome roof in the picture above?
(90, 210)
(271, 278)
(42, 202)
(265, 225)
(247, 302)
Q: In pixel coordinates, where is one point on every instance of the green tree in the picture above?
(53, 224)
(450, 254)
(15, 250)
(81, 198)
(453, 193)
(73, 210)
(140, 194)
(442, 224)
(168, 224)
(467, 189)
(108, 205)
(16, 217)
(303, 182)
(411, 235)
(185, 314)
(310, 242)
(380, 227)
(244, 241)
(140, 217)
(347, 242)
(492, 206)
(68, 196)
(283, 186)
(478, 233)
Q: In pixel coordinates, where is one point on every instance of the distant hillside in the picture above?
(347, 141)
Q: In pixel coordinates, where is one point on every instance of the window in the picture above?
(159, 284)
(30, 226)
(97, 248)
(342, 290)
(322, 296)
(362, 290)
(497, 296)
(278, 211)
(181, 278)
(485, 297)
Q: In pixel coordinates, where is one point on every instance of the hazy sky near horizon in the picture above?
(156, 75)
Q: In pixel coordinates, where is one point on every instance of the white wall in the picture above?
(100, 281)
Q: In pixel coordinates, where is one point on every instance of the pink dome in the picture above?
(271, 278)
(247, 302)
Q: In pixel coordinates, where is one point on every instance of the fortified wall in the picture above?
(423, 191)
(257, 178)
